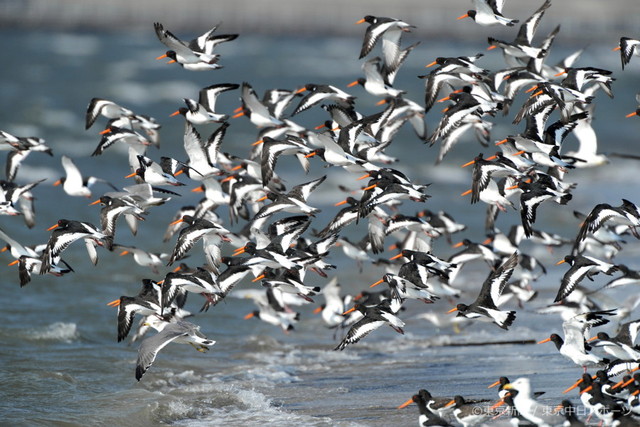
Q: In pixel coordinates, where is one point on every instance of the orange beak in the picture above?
(177, 221)
(360, 21)
(544, 340)
(317, 310)
(452, 310)
(258, 278)
(560, 262)
(628, 382)
(351, 310)
(586, 390)
(466, 193)
(162, 56)
(502, 142)
(466, 15)
(405, 404)
(114, 303)
(468, 164)
(13, 262)
(363, 177)
(131, 175)
(377, 283)
(576, 384)
(123, 253)
(52, 227)
(635, 113)
(396, 257)
(240, 114)
(249, 316)
(353, 83)
(344, 202)
(494, 384)
(94, 203)
(175, 113)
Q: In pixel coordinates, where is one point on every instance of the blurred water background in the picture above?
(61, 364)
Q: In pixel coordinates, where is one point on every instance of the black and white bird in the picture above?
(64, 233)
(622, 345)
(581, 266)
(390, 31)
(322, 93)
(145, 303)
(485, 304)
(428, 417)
(627, 47)
(627, 214)
(102, 107)
(573, 346)
(197, 54)
(374, 317)
(199, 228)
(489, 12)
(203, 111)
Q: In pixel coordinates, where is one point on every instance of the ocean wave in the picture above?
(58, 331)
(189, 399)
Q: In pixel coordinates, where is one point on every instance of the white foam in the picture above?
(58, 331)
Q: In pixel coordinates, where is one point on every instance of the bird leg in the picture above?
(201, 348)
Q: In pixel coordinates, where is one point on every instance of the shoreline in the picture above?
(432, 18)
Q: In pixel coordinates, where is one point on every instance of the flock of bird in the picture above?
(278, 240)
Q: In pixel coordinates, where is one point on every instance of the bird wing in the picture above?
(494, 284)
(167, 38)
(150, 347)
(359, 330)
(571, 279)
(209, 94)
